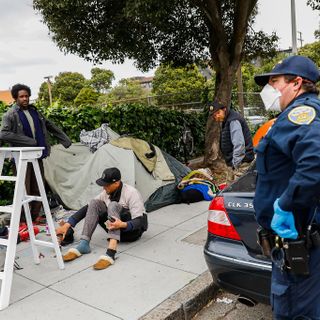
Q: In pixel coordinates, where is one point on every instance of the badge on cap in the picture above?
(302, 115)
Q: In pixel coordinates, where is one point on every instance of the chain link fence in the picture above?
(253, 105)
(176, 101)
(253, 108)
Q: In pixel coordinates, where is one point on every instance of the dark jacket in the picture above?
(226, 143)
(12, 130)
(288, 163)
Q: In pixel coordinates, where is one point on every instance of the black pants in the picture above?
(32, 189)
(125, 215)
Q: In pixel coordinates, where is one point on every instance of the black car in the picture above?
(232, 253)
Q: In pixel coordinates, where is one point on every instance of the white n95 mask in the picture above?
(271, 98)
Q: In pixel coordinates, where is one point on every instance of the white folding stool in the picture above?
(22, 156)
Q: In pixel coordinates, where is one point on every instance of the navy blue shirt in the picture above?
(288, 163)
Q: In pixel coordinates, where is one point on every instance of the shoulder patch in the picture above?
(302, 115)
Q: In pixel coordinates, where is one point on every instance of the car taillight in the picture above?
(219, 223)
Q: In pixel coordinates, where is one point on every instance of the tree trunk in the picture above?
(226, 58)
(224, 82)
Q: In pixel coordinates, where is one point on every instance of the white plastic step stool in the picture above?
(22, 156)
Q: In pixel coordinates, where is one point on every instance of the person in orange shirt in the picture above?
(262, 131)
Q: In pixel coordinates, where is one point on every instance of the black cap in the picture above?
(109, 176)
(294, 65)
(215, 106)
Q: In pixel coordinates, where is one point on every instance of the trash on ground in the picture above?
(225, 300)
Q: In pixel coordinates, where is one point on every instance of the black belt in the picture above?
(287, 254)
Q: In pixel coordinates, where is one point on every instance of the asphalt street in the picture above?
(226, 307)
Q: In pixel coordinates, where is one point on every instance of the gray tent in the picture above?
(72, 173)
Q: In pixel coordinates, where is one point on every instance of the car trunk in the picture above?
(238, 202)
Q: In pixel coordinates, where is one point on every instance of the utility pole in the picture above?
(293, 28)
(300, 38)
(49, 88)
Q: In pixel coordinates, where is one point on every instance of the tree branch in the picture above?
(242, 12)
(218, 38)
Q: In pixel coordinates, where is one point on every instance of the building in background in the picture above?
(5, 96)
(145, 82)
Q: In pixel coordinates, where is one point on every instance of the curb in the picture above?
(188, 301)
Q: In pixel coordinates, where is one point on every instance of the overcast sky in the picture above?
(27, 53)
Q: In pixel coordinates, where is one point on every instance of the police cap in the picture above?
(294, 65)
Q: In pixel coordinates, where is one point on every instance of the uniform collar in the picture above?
(298, 101)
(301, 97)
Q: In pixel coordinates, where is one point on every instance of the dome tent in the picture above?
(72, 173)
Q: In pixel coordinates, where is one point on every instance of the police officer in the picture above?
(288, 182)
(235, 140)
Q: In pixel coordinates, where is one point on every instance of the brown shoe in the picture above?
(103, 263)
(72, 254)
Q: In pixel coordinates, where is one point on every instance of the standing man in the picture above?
(119, 209)
(235, 140)
(23, 126)
(288, 186)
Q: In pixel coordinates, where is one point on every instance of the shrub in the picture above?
(163, 128)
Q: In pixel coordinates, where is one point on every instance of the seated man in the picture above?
(119, 209)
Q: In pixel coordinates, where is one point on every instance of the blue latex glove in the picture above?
(283, 222)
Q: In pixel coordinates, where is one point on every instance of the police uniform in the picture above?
(288, 166)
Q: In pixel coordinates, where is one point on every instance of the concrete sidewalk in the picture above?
(146, 273)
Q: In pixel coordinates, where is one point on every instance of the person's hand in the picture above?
(235, 167)
(117, 224)
(63, 228)
(283, 222)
